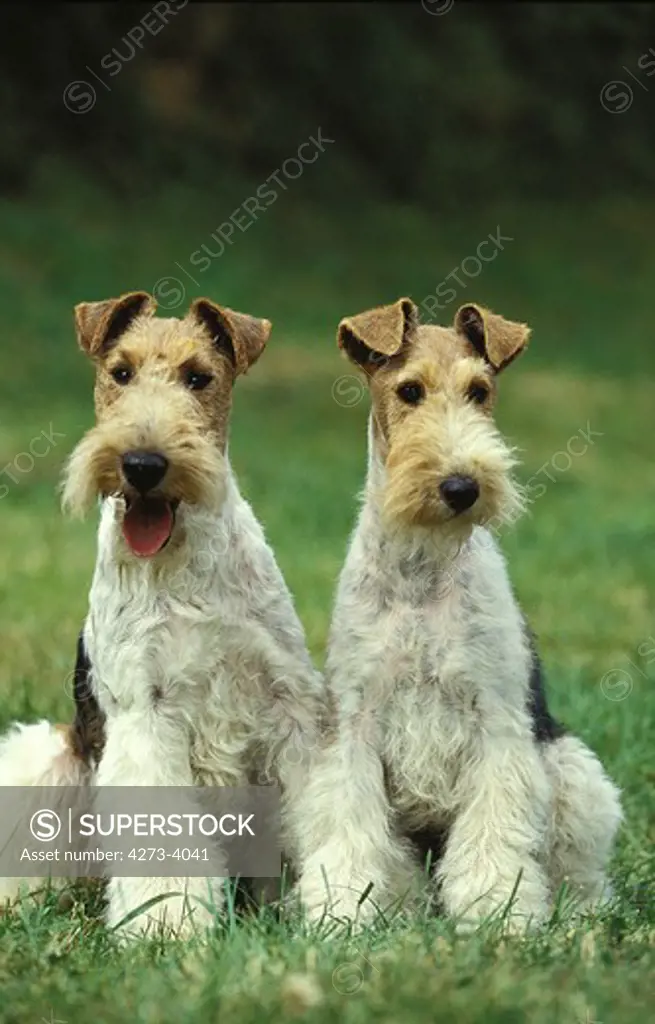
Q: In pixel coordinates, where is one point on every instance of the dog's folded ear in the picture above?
(100, 324)
(242, 337)
(497, 340)
(370, 339)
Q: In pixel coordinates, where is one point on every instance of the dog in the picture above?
(192, 666)
(442, 738)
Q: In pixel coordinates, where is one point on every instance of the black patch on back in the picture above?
(545, 728)
(88, 733)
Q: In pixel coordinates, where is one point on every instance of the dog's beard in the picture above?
(196, 476)
(424, 454)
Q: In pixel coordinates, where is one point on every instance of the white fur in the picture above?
(200, 665)
(35, 755)
(218, 635)
(586, 813)
(429, 668)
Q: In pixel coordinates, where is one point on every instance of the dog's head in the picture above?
(433, 391)
(163, 393)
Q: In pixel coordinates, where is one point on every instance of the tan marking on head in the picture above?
(432, 401)
(441, 363)
(370, 339)
(162, 385)
(496, 339)
(163, 352)
(242, 337)
(98, 324)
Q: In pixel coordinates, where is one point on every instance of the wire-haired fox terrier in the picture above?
(192, 665)
(443, 739)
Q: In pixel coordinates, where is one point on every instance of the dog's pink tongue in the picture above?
(147, 526)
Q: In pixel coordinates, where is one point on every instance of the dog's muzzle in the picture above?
(149, 518)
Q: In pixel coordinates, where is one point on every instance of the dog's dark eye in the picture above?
(122, 374)
(196, 381)
(478, 393)
(411, 393)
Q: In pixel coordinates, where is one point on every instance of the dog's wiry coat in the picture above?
(192, 667)
(442, 727)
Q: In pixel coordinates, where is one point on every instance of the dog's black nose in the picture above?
(144, 470)
(459, 493)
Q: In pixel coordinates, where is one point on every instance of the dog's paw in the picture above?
(174, 908)
(516, 913)
(517, 917)
(344, 904)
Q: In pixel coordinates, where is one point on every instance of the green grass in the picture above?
(583, 562)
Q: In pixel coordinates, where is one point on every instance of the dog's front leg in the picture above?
(148, 748)
(493, 849)
(342, 827)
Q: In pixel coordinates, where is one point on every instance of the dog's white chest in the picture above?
(142, 655)
(429, 720)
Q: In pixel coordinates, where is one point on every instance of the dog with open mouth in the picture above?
(192, 665)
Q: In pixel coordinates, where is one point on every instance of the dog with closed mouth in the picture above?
(192, 666)
(442, 739)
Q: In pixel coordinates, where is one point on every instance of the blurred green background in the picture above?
(131, 136)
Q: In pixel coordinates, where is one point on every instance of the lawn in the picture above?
(583, 562)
